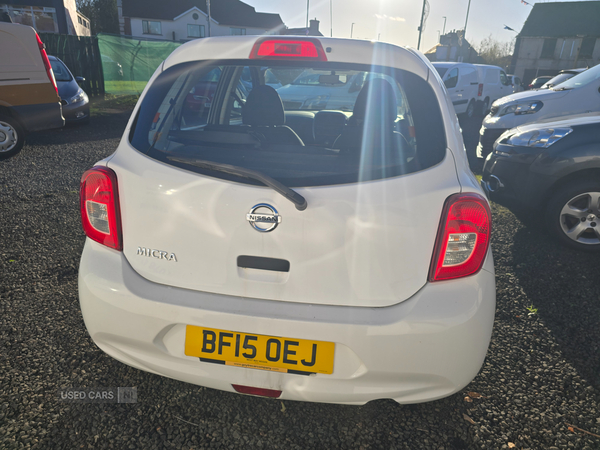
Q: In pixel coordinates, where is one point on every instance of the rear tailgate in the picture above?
(367, 244)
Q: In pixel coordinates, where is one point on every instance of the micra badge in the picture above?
(158, 254)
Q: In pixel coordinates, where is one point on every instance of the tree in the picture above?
(103, 15)
(494, 52)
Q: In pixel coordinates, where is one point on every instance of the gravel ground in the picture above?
(538, 389)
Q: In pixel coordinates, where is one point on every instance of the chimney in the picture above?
(313, 29)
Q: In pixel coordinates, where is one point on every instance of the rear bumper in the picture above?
(425, 348)
(39, 117)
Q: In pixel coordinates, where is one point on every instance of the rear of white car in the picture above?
(230, 248)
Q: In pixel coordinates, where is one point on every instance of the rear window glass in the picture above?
(303, 125)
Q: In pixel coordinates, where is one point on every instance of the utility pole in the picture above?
(331, 17)
(351, 30)
(460, 58)
(466, 20)
(208, 11)
(421, 26)
(307, 4)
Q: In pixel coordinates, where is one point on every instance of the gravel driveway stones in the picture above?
(539, 387)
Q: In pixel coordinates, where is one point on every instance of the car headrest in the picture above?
(263, 107)
(378, 98)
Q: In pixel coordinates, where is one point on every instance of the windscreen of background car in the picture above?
(61, 73)
(583, 79)
(327, 124)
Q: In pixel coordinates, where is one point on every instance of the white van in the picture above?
(29, 98)
(577, 95)
(462, 82)
(494, 85)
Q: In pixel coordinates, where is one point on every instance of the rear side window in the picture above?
(303, 125)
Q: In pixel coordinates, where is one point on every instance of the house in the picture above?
(188, 19)
(48, 16)
(557, 36)
(453, 47)
(312, 30)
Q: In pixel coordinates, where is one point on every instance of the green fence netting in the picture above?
(128, 63)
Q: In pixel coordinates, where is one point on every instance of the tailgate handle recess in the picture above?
(259, 262)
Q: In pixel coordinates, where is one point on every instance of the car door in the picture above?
(505, 87)
(451, 83)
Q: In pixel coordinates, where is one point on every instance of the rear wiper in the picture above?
(287, 192)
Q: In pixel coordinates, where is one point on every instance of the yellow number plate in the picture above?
(255, 351)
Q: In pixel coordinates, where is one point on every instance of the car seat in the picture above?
(370, 132)
(264, 113)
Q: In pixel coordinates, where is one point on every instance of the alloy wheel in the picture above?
(580, 218)
(8, 137)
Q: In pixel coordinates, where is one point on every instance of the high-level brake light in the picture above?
(463, 237)
(276, 48)
(99, 206)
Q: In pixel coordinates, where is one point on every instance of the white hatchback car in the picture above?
(240, 252)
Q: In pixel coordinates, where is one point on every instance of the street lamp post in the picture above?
(444, 30)
(351, 30)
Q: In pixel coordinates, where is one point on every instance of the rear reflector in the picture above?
(305, 49)
(271, 393)
(99, 206)
(463, 237)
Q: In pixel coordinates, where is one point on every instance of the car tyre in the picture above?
(471, 109)
(12, 137)
(573, 215)
(485, 106)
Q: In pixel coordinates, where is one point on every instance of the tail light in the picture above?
(480, 90)
(276, 48)
(46, 61)
(99, 204)
(463, 237)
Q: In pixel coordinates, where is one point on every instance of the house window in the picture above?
(43, 19)
(151, 27)
(587, 47)
(237, 31)
(195, 31)
(79, 20)
(548, 49)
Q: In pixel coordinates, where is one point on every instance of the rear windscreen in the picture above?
(308, 124)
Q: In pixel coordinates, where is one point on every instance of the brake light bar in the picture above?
(276, 48)
(463, 237)
(99, 207)
(480, 90)
(46, 61)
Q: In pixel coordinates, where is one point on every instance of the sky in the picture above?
(396, 21)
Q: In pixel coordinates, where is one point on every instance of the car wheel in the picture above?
(12, 137)
(471, 109)
(573, 215)
(485, 106)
